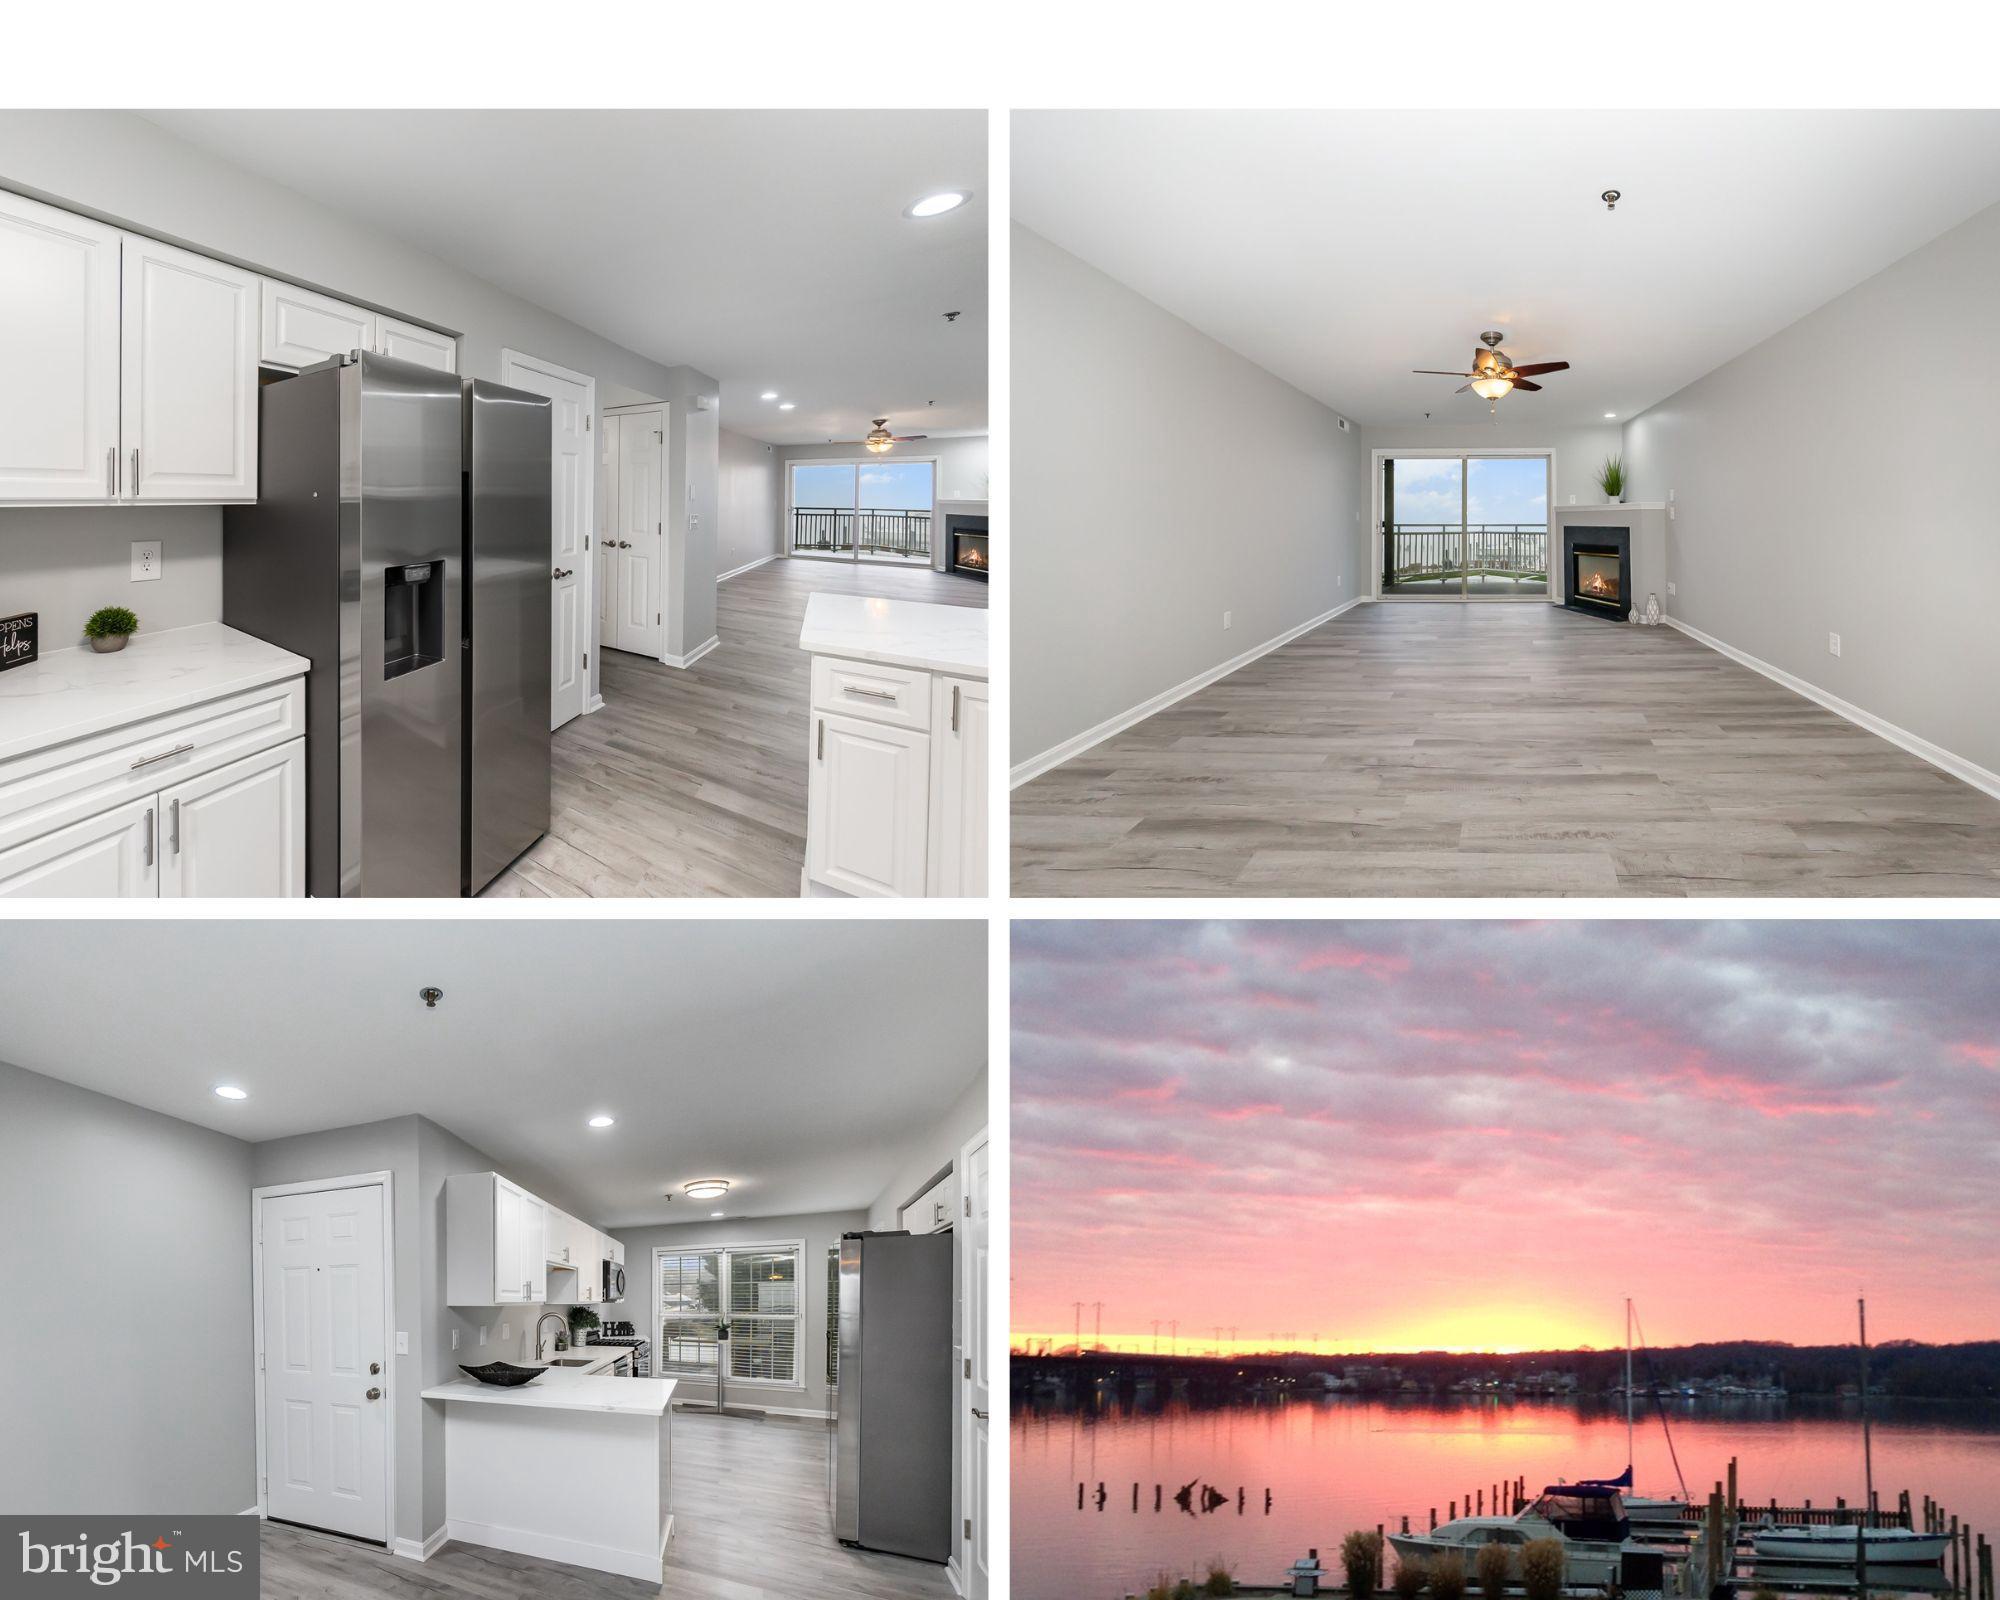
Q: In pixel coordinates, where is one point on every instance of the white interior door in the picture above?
(607, 529)
(642, 454)
(573, 398)
(326, 1393)
(976, 1426)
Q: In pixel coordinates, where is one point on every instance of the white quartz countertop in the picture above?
(566, 1390)
(67, 694)
(897, 633)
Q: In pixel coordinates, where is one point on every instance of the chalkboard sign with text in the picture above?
(17, 640)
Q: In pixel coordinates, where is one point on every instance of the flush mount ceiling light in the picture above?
(706, 1188)
(936, 205)
(602, 1122)
(229, 1091)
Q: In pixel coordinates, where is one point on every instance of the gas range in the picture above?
(620, 1333)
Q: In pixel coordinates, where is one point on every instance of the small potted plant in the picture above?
(109, 628)
(1611, 478)
(581, 1320)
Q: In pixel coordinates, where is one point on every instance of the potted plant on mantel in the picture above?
(109, 628)
(1611, 478)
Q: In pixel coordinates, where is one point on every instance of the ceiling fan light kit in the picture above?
(1494, 374)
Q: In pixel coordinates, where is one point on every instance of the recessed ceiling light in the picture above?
(602, 1122)
(1609, 415)
(768, 394)
(229, 1091)
(936, 205)
(715, 1213)
(706, 1188)
(787, 406)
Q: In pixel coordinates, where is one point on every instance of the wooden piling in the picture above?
(1732, 1486)
(1955, 1582)
(1079, 1497)
(1860, 1562)
(1434, 1519)
(1135, 1497)
(1985, 1569)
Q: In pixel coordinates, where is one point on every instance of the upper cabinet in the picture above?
(302, 328)
(58, 354)
(408, 342)
(189, 417)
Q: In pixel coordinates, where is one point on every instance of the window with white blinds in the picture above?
(833, 1316)
(755, 1289)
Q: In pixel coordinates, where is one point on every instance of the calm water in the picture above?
(1337, 1464)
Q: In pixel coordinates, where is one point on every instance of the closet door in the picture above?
(607, 538)
(190, 340)
(58, 354)
(642, 452)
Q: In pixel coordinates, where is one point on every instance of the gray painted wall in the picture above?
(752, 502)
(821, 1232)
(65, 563)
(1184, 481)
(1837, 478)
(150, 1218)
(119, 166)
(937, 1150)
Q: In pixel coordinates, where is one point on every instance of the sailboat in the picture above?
(1643, 1510)
(1840, 1546)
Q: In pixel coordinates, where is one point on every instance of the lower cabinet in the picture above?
(236, 831)
(958, 787)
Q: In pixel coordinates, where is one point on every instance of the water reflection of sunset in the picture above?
(1391, 1136)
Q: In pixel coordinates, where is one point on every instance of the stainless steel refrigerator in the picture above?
(373, 503)
(892, 1405)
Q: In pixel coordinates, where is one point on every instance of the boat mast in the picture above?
(1628, 1384)
(1867, 1448)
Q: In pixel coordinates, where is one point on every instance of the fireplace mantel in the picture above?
(1647, 522)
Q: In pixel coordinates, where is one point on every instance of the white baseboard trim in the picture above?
(1075, 746)
(595, 703)
(952, 1576)
(1965, 771)
(575, 1552)
(737, 572)
(415, 1550)
(695, 654)
(254, 1511)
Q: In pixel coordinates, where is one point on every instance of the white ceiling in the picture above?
(1340, 249)
(766, 248)
(800, 1059)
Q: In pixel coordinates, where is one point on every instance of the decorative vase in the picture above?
(1652, 610)
(109, 643)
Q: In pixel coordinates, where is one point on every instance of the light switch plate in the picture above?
(482, 1333)
(454, 1338)
(402, 1344)
(1833, 644)
(145, 560)
(1225, 619)
(1672, 588)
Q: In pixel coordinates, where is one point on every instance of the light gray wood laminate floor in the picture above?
(1499, 749)
(750, 1523)
(692, 780)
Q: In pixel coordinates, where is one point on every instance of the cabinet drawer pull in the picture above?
(149, 836)
(174, 825)
(954, 708)
(821, 754)
(164, 755)
(111, 472)
(872, 694)
(135, 472)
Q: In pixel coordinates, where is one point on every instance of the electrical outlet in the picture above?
(504, 1333)
(454, 1338)
(1225, 620)
(1672, 587)
(482, 1333)
(1670, 512)
(1833, 644)
(1670, 497)
(403, 1344)
(145, 560)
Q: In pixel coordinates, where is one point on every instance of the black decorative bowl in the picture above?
(503, 1375)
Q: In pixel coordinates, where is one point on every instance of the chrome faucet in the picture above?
(562, 1328)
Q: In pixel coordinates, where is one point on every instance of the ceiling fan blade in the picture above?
(908, 438)
(1522, 383)
(1433, 372)
(1535, 367)
(1463, 388)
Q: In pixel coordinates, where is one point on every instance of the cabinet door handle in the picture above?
(820, 754)
(954, 708)
(174, 825)
(164, 755)
(149, 836)
(135, 472)
(872, 694)
(111, 472)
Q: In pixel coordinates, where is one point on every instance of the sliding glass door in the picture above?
(1465, 526)
(876, 510)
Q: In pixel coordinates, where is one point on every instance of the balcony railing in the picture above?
(841, 530)
(1426, 553)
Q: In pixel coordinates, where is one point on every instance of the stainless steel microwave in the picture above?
(614, 1280)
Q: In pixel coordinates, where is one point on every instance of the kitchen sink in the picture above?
(575, 1361)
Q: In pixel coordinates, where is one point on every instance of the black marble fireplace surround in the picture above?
(1605, 544)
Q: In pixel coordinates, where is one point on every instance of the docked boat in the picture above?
(1835, 1546)
(1588, 1520)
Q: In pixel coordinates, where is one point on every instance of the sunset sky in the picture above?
(1476, 1135)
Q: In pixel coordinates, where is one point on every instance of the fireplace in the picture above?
(1597, 563)
(965, 547)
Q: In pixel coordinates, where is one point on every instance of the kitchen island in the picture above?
(897, 745)
(571, 1467)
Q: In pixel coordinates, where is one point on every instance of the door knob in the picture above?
(979, 1414)
(373, 1368)
(562, 572)
(374, 1394)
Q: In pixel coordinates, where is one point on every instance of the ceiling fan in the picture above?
(1494, 374)
(880, 438)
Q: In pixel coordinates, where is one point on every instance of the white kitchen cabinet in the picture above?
(408, 342)
(58, 354)
(189, 339)
(239, 831)
(108, 856)
(936, 1209)
(958, 787)
(503, 1246)
(301, 328)
(867, 806)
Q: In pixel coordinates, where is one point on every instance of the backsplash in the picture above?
(64, 562)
